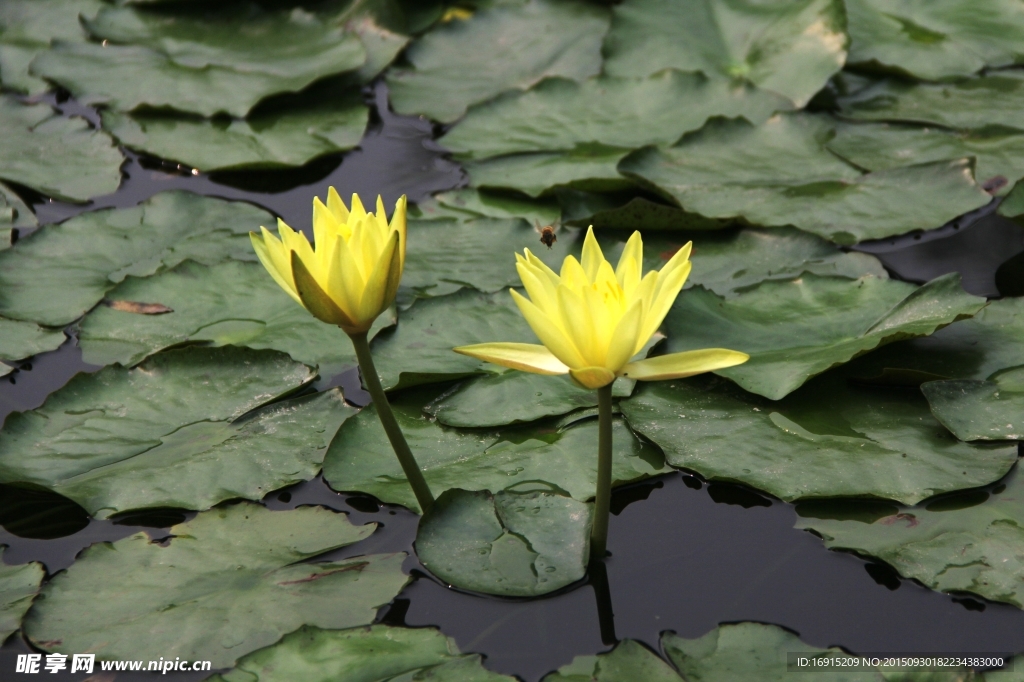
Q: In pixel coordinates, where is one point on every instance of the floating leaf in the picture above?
(28, 26)
(232, 303)
(536, 457)
(626, 211)
(540, 173)
(168, 433)
(377, 653)
(996, 99)
(935, 40)
(786, 48)
(980, 410)
(824, 440)
(625, 113)
(18, 587)
(467, 61)
(228, 582)
(780, 173)
(507, 544)
(965, 543)
(61, 271)
(63, 158)
(462, 204)
(14, 213)
(19, 340)
(883, 146)
(795, 330)
(629, 660)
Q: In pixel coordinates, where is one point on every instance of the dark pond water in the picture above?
(685, 556)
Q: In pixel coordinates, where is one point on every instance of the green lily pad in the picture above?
(61, 271)
(781, 174)
(14, 213)
(63, 158)
(935, 40)
(980, 410)
(19, 585)
(1012, 206)
(466, 203)
(227, 583)
(883, 146)
(507, 544)
(505, 47)
(993, 100)
(625, 113)
(377, 653)
(232, 303)
(626, 211)
(965, 543)
(798, 329)
(19, 340)
(535, 457)
(168, 433)
(824, 440)
(789, 49)
(539, 173)
(28, 26)
(627, 662)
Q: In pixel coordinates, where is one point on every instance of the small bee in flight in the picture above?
(547, 234)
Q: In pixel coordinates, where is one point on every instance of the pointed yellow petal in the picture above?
(592, 255)
(337, 206)
(324, 223)
(314, 298)
(381, 217)
(678, 258)
(572, 274)
(592, 377)
(374, 298)
(542, 268)
(687, 364)
(630, 263)
(624, 339)
(548, 332)
(398, 224)
(541, 291)
(664, 297)
(272, 257)
(528, 357)
(578, 326)
(356, 213)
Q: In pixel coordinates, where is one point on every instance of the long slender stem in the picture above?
(387, 420)
(602, 501)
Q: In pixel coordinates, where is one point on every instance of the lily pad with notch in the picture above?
(544, 173)
(629, 660)
(980, 410)
(468, 203)
(14, 214)
(20, 340)
(507, 544)
(228, 582)
(19, 586)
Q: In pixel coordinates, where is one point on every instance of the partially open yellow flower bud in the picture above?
(352, 274)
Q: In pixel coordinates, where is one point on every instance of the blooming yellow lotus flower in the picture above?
(593, 319)
(352, 274)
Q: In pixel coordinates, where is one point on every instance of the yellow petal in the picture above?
(324, 223)
(630, 263)
(687, 364)
(337, 206)
(578, 326)
(357, 212)
(592, 255)
(399, 225)
(541, 292)
(624, 339)
(664, 298)
(592, 377)
(572, 274)
(346, 283)
(541, 267)
(548, 332)
(275, 259)
(678, 258)
(374, 299)
(381, 217)
(314, 298)
(528, 357)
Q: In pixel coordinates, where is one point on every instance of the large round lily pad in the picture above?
(505, 47)
(507, 544)
(377, 653)
(966, 543)
(534, 457)
(18, 587)
(789, 48)
(980, 410)
(62, 158)
(230, 581)
(797, 329)
(628, 661)
(825, 440)
(780, 173)
(19, 340)
(168, 433)
(61, 271)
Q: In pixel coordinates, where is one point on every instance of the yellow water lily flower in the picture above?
(592, 319)
(352, 274)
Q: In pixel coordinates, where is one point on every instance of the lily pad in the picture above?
(62, 158)
(993, 100)
(508, 544)
(14, 213)
(625, 113)
(824, 440)
(61, 271)
(786, 48)
(377, 653)
(626, 211)
(798, 329)
(935, 40)
(514, 46)
(883, 146)
(539, 173)
(980, 410)
(780, 173)
(19, 340)
(28, 26)
(227, 583)
(168, 433)
(18, 587)
(462, 204)
(966, 543)
(232, 303)
(628, 661)
(535, 457)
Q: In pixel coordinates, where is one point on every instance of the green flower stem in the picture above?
(387, 420)
(602, 501)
